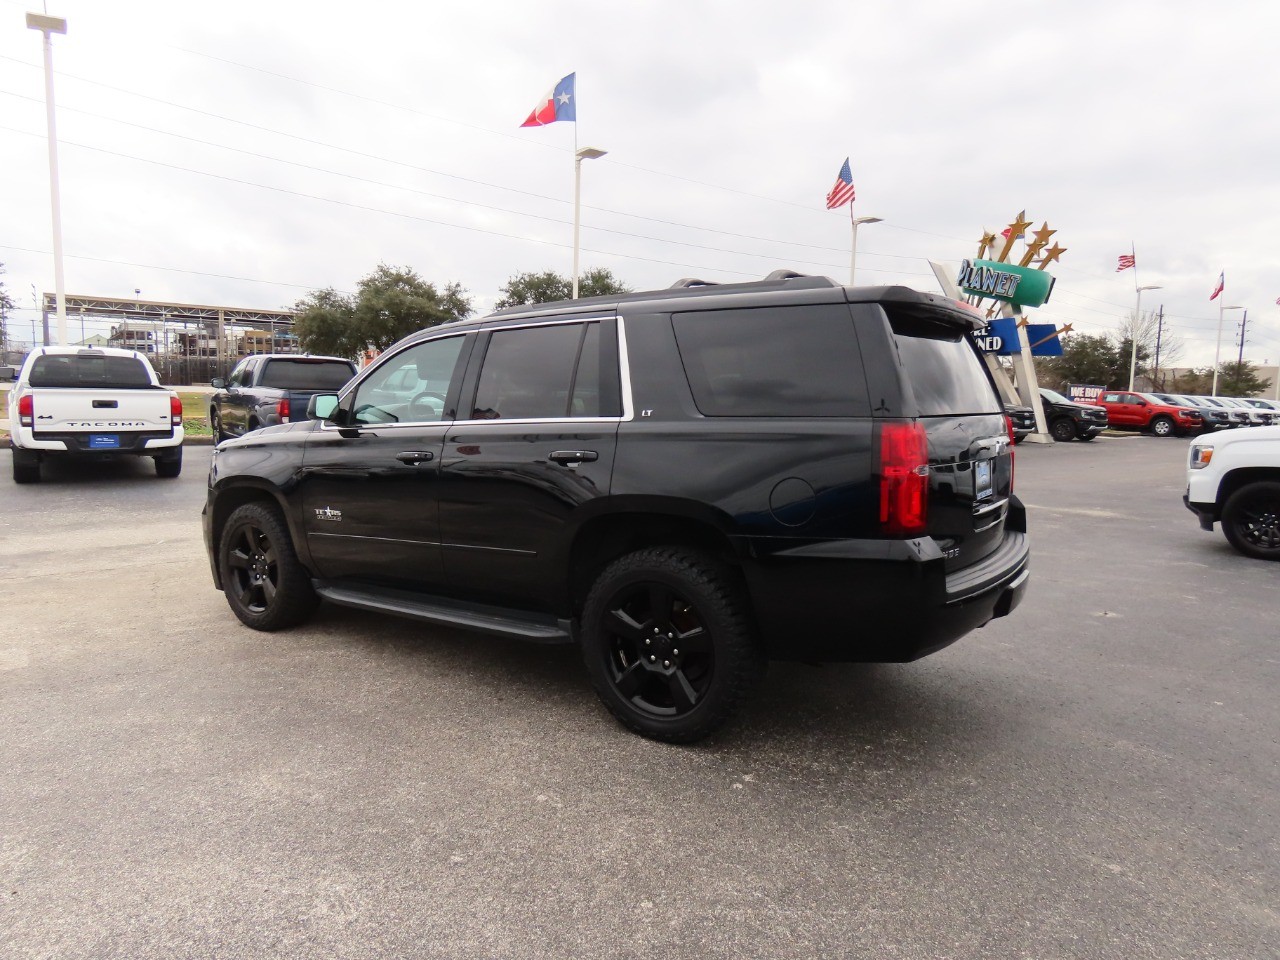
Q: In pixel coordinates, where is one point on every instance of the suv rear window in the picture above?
(943, 367)
(90, 370)
(323, 375)
(773, 362)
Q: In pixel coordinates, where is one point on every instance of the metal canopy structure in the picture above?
(187, 341)
(158, 310)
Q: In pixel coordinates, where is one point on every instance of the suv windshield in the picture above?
(90, 370)
(1053, 396)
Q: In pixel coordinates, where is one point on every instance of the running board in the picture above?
(519, 624)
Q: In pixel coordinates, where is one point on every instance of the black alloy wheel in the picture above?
(1251, 520)
(669, 643)
(1062, 430)
(265, 584)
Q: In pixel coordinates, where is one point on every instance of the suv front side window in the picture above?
(410, 387)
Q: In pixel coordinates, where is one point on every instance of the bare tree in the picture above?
(1158, 350)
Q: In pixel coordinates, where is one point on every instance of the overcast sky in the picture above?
(244, 153)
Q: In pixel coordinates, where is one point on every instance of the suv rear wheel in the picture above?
(1251, 520)
(266, 585)
(668, 642)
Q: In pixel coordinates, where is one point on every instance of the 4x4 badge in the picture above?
(328, 513)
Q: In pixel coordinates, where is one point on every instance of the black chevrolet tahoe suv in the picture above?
(684, 483)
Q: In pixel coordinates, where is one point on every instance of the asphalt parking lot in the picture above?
(1095, 776)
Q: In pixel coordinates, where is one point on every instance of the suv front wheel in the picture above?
(668, 642)
(265, 583)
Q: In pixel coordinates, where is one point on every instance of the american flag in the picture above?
(1127, 260)
(842, 192)
(1222, 282)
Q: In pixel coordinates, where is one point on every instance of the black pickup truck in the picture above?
(270, 388)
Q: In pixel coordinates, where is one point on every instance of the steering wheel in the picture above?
(422, 406)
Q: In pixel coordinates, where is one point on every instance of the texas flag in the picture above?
(1222, 282)
(558, 104)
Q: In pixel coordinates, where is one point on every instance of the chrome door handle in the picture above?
(573, 456)
(415, 456)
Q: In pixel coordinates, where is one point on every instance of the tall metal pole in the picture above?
(1159, 332)
(853, 250)
(577, 207)
(1133, 337)
(1244, 320)
(1217, 350)
(48, 26)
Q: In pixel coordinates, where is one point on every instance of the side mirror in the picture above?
(217, 383)
(321, 406)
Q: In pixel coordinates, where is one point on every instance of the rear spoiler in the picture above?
(930, 306)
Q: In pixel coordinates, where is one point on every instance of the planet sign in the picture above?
(1020, 286)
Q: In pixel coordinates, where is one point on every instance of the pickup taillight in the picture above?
(904, 478)
(26, 410)
(175, 411)
(282, 408)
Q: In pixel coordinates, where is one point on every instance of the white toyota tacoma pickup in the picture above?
(77, 402)
(1235, 478)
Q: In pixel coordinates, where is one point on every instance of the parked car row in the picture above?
(1162, 414)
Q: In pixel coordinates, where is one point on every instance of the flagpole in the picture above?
(853, 250)
(1217, 351)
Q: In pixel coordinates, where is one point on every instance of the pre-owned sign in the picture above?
(1020, 286)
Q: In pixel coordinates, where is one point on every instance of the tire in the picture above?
(169, 465)
(1162, 427)
(1062, 430)
(26, 466)
(641, 611)
(1251, 520)
(215, 424)
(266, 585)
(1086, 436)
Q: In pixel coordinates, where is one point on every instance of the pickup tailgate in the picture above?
(92, 410)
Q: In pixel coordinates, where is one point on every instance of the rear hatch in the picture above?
(969, 452)
(89, 393)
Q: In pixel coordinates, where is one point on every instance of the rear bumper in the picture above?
(880, 601)
(142, 443)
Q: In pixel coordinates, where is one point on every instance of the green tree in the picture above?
(388, 305)
(1234, 380)
(6, 304)
(1086, 358)
(549, 286)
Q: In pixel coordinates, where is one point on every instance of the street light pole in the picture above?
(1133, 334)
(1217, 350)
(48, 26)
(853, 253)
(586, 153)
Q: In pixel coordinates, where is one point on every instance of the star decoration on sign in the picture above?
(986, 243)
(1052, 254)
(1041, 238)
(1016, 229)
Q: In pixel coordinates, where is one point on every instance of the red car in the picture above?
(1144, 411)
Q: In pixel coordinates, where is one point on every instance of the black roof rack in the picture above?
(685, 282)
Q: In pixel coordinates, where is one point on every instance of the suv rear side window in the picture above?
(773, 362)
(541, 373)
(86, 370)
(943, 368)
(304, 374)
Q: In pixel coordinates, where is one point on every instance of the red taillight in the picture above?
(175, 411)
(26, 410)
(904, 478)
(282, 408)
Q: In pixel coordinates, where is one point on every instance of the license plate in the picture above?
(981, 479)
(104, 441)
